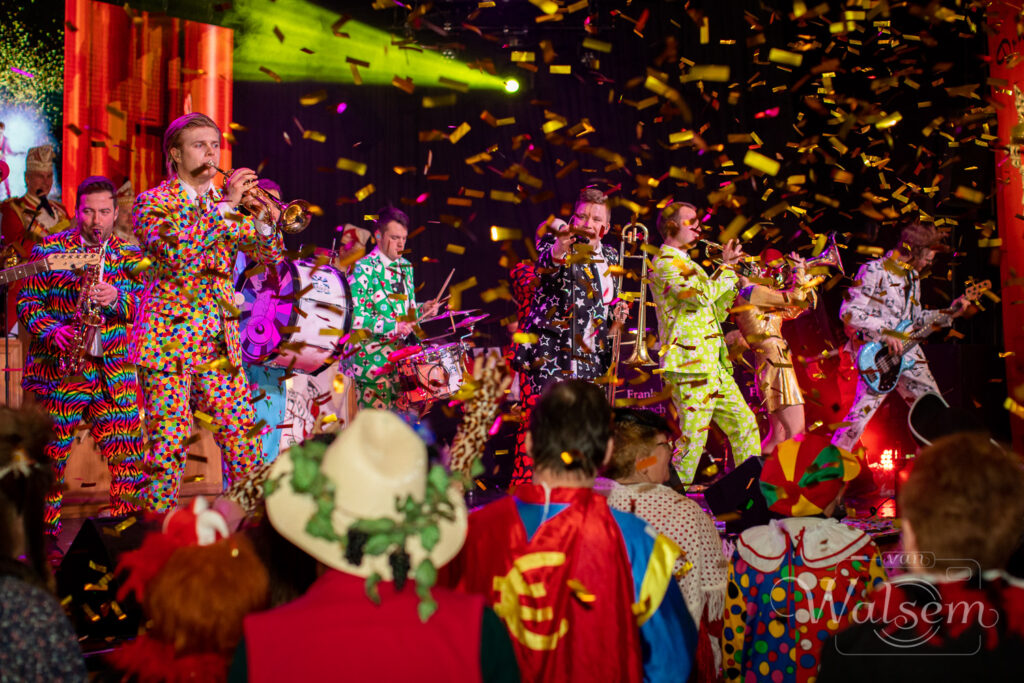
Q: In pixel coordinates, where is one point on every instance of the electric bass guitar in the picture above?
(881, 369)
(63, 261)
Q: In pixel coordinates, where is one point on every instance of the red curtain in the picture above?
(127, 74)
(1005, 45)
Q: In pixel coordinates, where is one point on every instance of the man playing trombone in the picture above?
(695, 362)
(187, 339)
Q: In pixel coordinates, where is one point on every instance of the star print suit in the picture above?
(187, 339)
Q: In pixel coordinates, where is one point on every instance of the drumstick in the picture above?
(445, 285)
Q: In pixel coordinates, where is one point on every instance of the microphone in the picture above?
(44, 203)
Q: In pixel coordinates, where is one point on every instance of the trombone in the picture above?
(295, 215)
(633, 234)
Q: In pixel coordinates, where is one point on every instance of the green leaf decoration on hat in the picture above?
(827, 465)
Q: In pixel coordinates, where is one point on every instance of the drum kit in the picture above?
(298, 316)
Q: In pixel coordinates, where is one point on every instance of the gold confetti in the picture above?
(560, 69)
(315, 136)
(501, 196)
(709, 72)
(270, 73)
(356, 167)
(761, 162)
(459, 132)
(440, 101)
(594, 44)
(566, 457)
(579, 591)
(969, 194)
(364, 192)
(403, 84)
(524, 338)
(313, 98)
(520, 56)
(500, 234)
(785, 57)
(455, 249)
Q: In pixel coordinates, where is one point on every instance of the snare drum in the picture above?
(431, 374)
(295, 315)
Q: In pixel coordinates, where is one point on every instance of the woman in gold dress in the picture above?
(763, 304)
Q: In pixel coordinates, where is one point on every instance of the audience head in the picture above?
(964, 500)
(570, 430)
(375, 475)
(679, 222)
(190, 142)
(806, 478)
(643, 447)
(25, 480)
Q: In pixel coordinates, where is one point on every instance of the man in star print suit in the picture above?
(383, 311)
(571, 311)
(691, 306)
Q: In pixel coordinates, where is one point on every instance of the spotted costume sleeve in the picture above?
(174, 244)
(261, 248)
(735, 627)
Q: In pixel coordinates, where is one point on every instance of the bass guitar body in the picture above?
(881, 369)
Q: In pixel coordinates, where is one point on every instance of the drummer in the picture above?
(384, 311)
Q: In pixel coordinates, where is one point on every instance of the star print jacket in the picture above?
(880, 299)
(562, 290)
(379, 302)
(691, 306)
(49, 301)
(189, 298)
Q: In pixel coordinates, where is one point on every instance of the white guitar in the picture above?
(62, 261)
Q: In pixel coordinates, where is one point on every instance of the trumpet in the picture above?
(748, 267)
(295, 215)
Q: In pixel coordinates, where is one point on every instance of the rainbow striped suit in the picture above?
(106, 392)
(187, 338)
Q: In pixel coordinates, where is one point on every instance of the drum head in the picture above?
(268, 305)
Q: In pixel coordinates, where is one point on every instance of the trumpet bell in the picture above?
(829, 257)
(295, 217)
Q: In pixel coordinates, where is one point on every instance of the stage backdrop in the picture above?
(1007, 65)
(127, 74)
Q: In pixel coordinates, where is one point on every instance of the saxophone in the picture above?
(86, 322)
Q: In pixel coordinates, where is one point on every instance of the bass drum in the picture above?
(294, 316)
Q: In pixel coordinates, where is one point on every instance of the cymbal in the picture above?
(472, 320)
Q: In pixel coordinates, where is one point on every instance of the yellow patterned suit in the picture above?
(695, 362)
(186, 338)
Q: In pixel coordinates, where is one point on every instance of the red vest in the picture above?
(334, 632)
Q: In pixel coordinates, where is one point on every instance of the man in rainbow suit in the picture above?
(187, 338)
(104, 391)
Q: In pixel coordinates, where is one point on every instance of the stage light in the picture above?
(296, 40)
(511, 85)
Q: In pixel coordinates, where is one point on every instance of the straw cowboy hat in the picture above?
(377, 460)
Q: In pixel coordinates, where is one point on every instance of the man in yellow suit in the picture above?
(695, 362)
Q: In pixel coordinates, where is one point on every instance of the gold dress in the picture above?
(760, 312)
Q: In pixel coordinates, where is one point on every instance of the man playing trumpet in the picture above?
(695, 362)
(187, 339)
